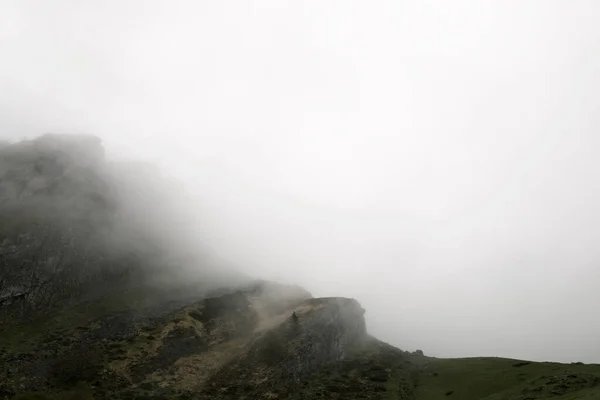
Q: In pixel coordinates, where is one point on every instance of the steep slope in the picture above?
(137, 352)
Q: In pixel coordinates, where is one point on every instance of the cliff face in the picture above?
(55, 208)
(321, 332)
(75, 227)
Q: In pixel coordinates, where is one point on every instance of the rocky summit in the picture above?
(101, 297)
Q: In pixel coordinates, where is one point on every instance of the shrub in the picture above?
(80, 364)
(81, 392)
(521, 364)
(273, 348)
(32, 396)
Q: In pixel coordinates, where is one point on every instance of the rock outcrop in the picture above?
(75, 227)
(55, 209)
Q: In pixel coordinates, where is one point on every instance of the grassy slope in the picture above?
(499, 379)
(371, 370)
(381, 372)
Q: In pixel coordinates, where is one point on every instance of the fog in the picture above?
(435, 160)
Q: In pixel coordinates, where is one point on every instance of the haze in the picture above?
(436, 160)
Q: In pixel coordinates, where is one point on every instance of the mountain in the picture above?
(74, 226)
(105, 293)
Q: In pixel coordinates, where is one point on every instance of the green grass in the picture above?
(80, 392)
(504, 379)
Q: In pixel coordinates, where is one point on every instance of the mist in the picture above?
(435, 160)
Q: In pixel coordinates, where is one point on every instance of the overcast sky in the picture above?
(436, 160)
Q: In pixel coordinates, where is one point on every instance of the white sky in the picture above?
(437, 160)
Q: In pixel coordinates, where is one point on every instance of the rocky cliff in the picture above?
(74, 226)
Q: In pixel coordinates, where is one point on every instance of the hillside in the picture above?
(246, 345)
(104, 294)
